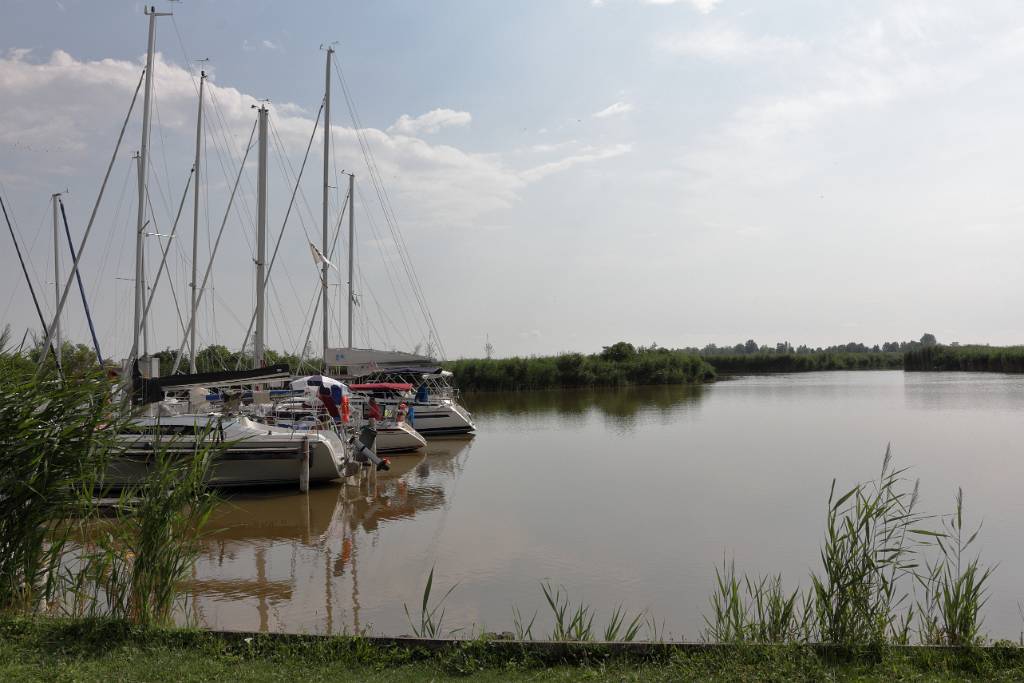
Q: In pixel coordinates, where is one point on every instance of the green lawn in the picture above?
(39, 649)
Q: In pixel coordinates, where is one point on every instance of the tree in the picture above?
(619, 351)
(928, 339)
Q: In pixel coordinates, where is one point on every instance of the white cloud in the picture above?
(614, 110)
(271, 45)
(431, 122)
(586, 156)
(902, 55)
(728, 44)
(551, 147)
(702, 6)
(85, 100)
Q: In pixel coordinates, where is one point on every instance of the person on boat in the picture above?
(373, 413)
(326, 397)
(400, 415)
(423, 393)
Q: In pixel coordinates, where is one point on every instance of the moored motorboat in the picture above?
(307, 410)
(427, 416)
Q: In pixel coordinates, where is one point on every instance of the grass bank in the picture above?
(88, 650)
(966, 358)
(768, 362)
(617, 365)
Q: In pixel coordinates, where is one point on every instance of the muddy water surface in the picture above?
(621, 496)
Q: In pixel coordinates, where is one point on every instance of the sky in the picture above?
(563, 174)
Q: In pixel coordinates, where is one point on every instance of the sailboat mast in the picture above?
(142, 269)
(56, 278)
(351, 250)
(261, 239)
(327, 156)
(140, 294)
(195, 223)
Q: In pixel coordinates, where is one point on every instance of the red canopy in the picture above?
(381, 386)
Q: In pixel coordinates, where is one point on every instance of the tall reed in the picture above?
(431, 618)
(54, 440)
(57, 436)
(755, 610)
(954, 588)
(576, 622)
(140, 556)
(868, 549)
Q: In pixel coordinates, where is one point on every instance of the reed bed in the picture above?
(966, 358)
(770, 361)
(617, 365)
(59, 551)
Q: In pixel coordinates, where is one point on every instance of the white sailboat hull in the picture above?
(256, 455)
(398, 437)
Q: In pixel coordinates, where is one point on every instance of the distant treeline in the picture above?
(969, 358)
(750, 347)
(617, 365)
(805, 362)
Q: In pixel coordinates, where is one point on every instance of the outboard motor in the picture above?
(362, 447)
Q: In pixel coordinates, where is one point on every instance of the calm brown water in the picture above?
(628, 496)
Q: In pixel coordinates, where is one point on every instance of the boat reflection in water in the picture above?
(283, 561)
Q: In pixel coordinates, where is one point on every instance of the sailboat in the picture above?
(248, 453)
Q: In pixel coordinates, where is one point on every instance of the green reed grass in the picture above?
(575, 622)
(57, 550)
(570, 623)
(431, 618)
(619, 630)
(141, 555)
(867, 551)
(618, 365)
(954, 588)
(755, 610)
(873, 547)
(969, 358)
(523, 628)
(54, 440)
(730, 613)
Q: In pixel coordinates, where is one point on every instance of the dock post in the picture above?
(304, 466)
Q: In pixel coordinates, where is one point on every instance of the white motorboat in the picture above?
(300, 415)
(308, 411)
(428, 417)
